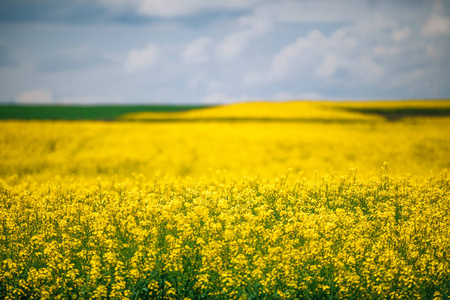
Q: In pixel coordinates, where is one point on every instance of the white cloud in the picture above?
(401, 34)
(196, 52)
(285, 11)
(364, 69)
(430, 49)
(310, 55)
(318, 11)
(34, 97)
(437, 52)
(328, 67)
(217, 98)
(234, 43)
(436, 25)
(380, 50)
(296, 55)
(196, 81)
(202, 81)
(316, 56)
(176, 8)
(413, 80)
(142, 59)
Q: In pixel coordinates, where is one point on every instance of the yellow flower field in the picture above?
(339, 205)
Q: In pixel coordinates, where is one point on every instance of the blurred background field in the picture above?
(251, 139)
(304, 111)
(249, 111)
(71, 112)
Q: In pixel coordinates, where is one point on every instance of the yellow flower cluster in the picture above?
(198, 210)
(335, 237)
(72, 150)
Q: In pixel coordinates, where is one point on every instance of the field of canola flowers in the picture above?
(308, 208)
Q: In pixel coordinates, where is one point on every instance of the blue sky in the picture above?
(200, 51)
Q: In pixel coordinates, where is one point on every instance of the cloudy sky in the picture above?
(203, 51)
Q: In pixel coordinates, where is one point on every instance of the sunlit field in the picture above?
(247, 201)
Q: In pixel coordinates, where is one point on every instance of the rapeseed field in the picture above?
(252, 201)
